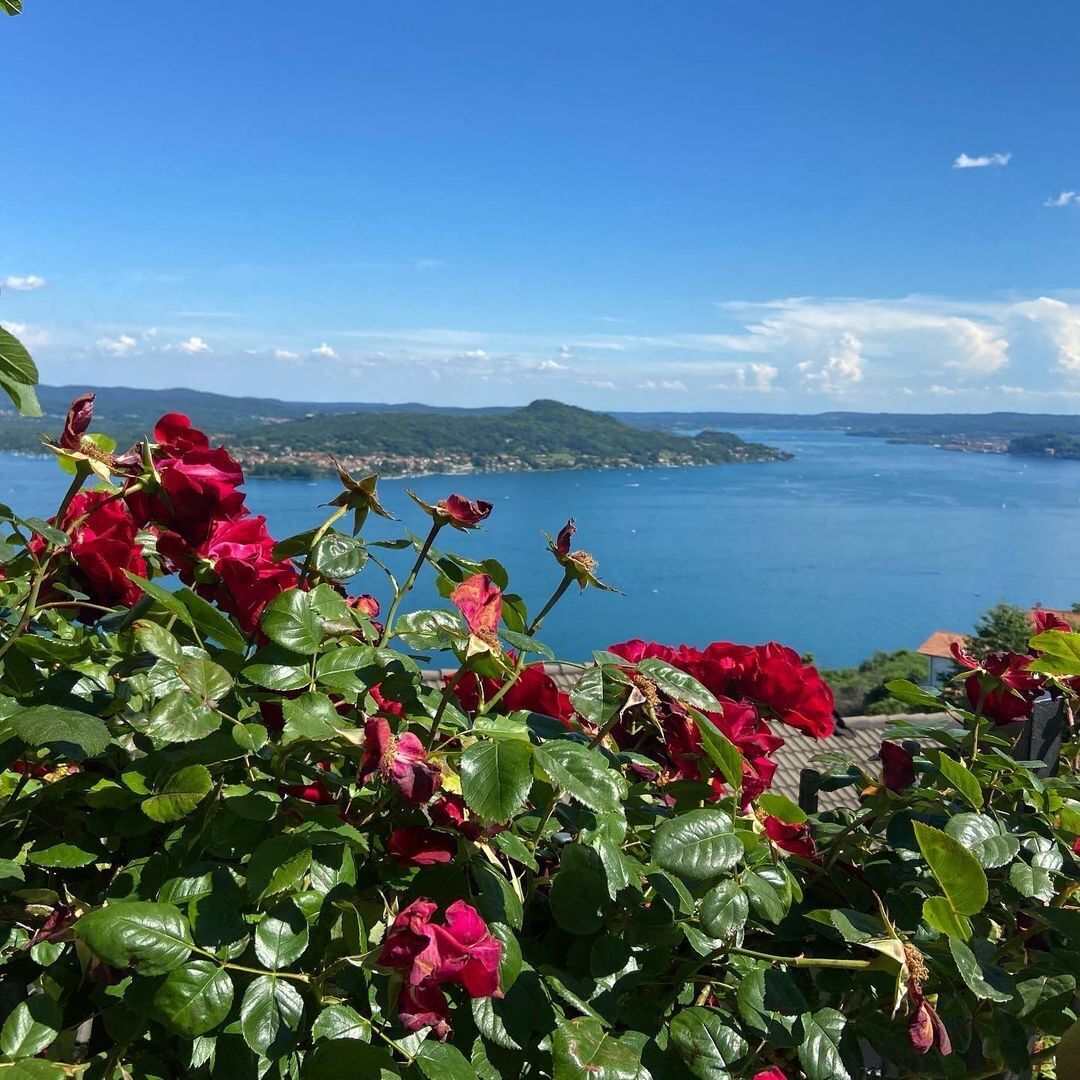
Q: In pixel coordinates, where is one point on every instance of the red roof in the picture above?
(940, 642)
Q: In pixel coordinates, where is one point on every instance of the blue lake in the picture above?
(854, 546)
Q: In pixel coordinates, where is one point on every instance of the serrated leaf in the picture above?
(724, 910)
(906, 691)
(310, 716)
(31, 1027)
(1032, 881)
(281, 936)
(723, 752)
(678, 684)
(819, 1052)
(496, 777)
(73, 734)
(957, 871)
(581, 1047)
(982, 836)
(179, 718)
(182, 792)
(194, 998)
(582, 773)
(959, 777)
(65, 856)
(291, 622)
(698, 846)
(707, 1041)
(441, 1061)
(978, 978)
(151, 938)
(341, 1022)
(270, 1015)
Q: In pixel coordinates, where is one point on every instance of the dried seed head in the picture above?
(916, 964)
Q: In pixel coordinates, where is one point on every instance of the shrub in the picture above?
(241, 836)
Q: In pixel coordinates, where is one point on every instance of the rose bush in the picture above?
(241, 836)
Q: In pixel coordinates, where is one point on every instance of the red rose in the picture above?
(175, 436)
(463, 513)
(770, 1074)
(365, 604)
(897, 766)
(400, 760)
(479, 600)
(1002, 688)
(103, 545)
(534, 691)
(80, 413)
(316, 792)
(459, 951)
(792, 838)
(415, 846)
(1045, 620)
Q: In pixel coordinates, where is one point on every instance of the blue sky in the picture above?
(621, 204)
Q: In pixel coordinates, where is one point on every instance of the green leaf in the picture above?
(72, 734)
(582, 773)
(441, 1061)
(211, 622)
(977, 977)
(179, 718)
(910, 694)
(599, 695)
(345, 1059)
(340, 1022)
(158, 641)
(679, 685)
(982, 836)
(957, 871)
(194, 998)
(151, 938)
(277, 865)
(1033, 881)
(496, 777)
(209, 682)
(18, 372)
(579, 900)
(11, 7)
(943, 917)
(181, 794)
(339, 556)
(960, 777)
(723, 752)
(581, 1047)
(769, 892)
(281, 937)
(780, 806)
(339, 668)
(698, 846)
(291, 622)
(1061, 652)
(708, 1043)
(819, 1053)
(724, 910)
(31, 1026)
(310, 716)
(65, 856)
(270, 1015)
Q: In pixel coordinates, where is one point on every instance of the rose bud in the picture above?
(897, 766)
(455, 510)
(80, 413)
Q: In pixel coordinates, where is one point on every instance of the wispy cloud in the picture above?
(324, 351)
(1066, 198)
(117, 346)
(981, 162)
(29, 335)
(285, 354)
(662, 384)
(28, 283)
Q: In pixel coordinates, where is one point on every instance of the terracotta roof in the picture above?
(858, 738)
(939, 644)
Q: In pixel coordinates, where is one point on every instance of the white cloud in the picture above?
(551, 365)
(1066, 198)
(758, 377)
(30, 336)
(982, 349)
(981, 162)
(600, 384)
(840, 371)
(194, 346)
(662, 384)
(118, 346)
(324, 351)
(285, 354)
(1061, 322)
(24, 284)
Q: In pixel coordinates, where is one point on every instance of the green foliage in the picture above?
(861, 691)
(1002, 628)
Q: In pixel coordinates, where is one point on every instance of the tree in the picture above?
(1003, 628)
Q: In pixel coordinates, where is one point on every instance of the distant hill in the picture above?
(1056, 445)
(543, 435)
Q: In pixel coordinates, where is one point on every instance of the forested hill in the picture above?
(543, 435)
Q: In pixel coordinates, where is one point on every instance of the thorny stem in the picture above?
(400, 594)
(444, 701)
(809, 961)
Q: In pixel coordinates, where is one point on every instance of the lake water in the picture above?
(854, 546)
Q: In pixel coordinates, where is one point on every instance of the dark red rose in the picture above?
(400, 760)
(1045, 620)
(772, 1073)
(449, 811)
(534, 691)
(479, 600)
(1001, 688)
(80, 413)
(463, 513)
(316, 792)
(460, 951)
(565, 539)
(386, 706)
(1076, 846)
(175, 436)
(56, 925)
(925, 1028)
(792, 838)
(416, 846)
(897, 766)
(365, 604)
(103, 545)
